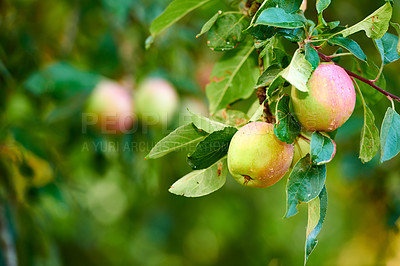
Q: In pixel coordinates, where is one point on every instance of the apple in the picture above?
(156, 101)
(256, 157)
(329, 102)
(110, 108)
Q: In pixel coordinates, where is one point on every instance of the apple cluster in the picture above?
(115, 107)
(257, 158)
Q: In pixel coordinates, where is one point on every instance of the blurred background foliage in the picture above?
(70, 197)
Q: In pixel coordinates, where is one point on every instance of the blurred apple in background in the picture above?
(195, 105)
(203, 74)
(156, 101)
(110, 108)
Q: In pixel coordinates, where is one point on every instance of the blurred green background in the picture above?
(69, 197)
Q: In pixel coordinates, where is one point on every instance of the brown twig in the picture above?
(366, 81)
(305, 138)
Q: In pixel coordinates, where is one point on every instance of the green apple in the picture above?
(329, 102)
(110, 108)
(156, 101)
(256, 157)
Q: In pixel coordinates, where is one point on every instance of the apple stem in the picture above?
(367, 81)
(305, 138)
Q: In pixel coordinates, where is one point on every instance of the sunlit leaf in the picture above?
(233, 77)
(369, 143)
(205, 123)
(298, 72)
(183, 137)
(375, 25)
(230, 117)
(207, 26)
(174, 12)
(201, 182)
(316, 216)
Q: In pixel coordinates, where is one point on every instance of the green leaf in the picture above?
(233, 77)
(261, 32)
(390, 135)
(277, 17)
(286, 127)
(280, 58)
(375, 25)
(206, 124)
(276, 86)
(312, 56)
(298, 72)
(323, 148)
(174, 12)
(333, 24)
(322, 5)
(369, 143)
(397, 27)
(316, 216)
(61, 80)
(227, 32)
(290, 6)
(233, 118)
(202, 182)
(293, 35)
(258, 113)
(266, 4)
(211, 149)
(182, 137)
(369, 71)
(268, 75)
(387, 46)
(350, 45)
(207, 26)
(304, 184)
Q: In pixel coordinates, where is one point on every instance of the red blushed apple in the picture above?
(256, 157)
(329, 102)
(112, 107)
